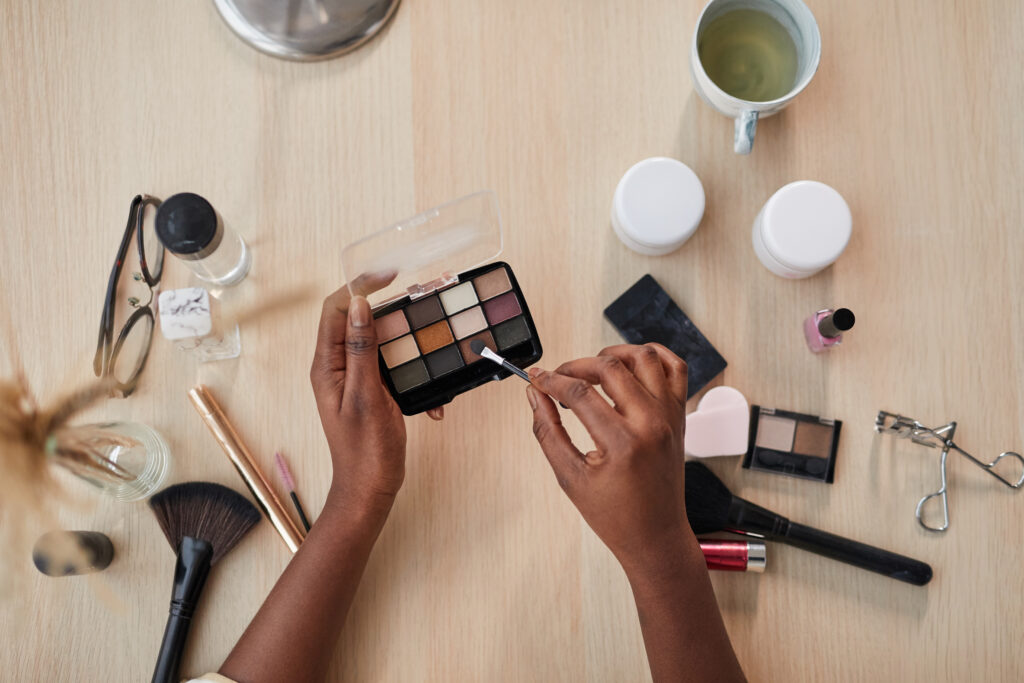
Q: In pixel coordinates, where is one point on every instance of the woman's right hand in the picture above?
(630, 488)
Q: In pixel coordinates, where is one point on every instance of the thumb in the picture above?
(361, 365)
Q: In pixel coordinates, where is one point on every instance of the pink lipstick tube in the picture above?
(734, 556)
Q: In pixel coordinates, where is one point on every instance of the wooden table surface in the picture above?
(485, 571)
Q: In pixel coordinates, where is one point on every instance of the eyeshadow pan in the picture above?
(391, 326)
(444, 361)
(468, 322)
(434, 337)
(502, 308)
(409, 376)
(399, 351)
(511, 332)
(458, 298)
(424, 312)
(490, 285)
(775, 432)
(467, 353)
(813, 438)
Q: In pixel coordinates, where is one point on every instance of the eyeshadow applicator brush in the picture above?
(711, 506)
(483, 351)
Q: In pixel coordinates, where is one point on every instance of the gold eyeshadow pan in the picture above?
(433, 337)
(426, 360)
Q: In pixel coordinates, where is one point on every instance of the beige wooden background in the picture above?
(485, 571)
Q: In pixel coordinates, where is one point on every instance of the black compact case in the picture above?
(646, 313)
(441, 390)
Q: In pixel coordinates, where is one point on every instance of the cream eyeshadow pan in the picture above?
(428, 339)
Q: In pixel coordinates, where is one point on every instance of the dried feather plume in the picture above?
(31, 434)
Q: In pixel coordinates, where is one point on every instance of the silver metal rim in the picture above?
(757, 557)
(250, 35)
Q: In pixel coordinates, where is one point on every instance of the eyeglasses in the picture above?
(124, 358)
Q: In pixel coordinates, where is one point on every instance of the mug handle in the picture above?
(746, 126)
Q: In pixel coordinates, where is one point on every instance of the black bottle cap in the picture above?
(840, 321)
(187, 225)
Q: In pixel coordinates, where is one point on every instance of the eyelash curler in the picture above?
(941, 438)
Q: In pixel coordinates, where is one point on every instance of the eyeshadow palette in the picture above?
(425, 354)
(793, 444)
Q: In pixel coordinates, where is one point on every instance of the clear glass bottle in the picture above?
(824, 329)
(128, 461)
(192, 319)
(191, 229)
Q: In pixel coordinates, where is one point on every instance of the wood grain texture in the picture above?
(485, 571)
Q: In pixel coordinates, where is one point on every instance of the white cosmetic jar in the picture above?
(802, 228)
(657, 206)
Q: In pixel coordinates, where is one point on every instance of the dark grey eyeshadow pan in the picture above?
(409, 376)
(444, 361)
(424, 312)
(511, 332)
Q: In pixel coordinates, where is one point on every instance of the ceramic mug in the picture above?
(798, 21)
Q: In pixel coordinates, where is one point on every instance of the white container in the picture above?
(657, 206)
(802, 229)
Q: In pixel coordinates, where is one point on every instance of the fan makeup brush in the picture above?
(711, 507)
(202, 522)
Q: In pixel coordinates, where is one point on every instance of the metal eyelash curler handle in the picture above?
(941, 438)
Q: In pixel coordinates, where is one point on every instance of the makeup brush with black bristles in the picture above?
(711, 507)
(202, 522)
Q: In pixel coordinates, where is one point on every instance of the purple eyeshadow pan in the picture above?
(502, 308)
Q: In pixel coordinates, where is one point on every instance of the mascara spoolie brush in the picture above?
(289, 484)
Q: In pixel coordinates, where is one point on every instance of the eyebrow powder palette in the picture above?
(425, 355)
(794, 444)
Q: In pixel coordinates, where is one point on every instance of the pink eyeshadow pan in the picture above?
(502, 308)
(391, 326)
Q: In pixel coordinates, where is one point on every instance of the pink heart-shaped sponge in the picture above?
(719, 426)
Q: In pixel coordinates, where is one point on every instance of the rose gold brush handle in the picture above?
(242, 459)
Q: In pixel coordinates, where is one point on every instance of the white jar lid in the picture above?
(806, 225)
(657, 205)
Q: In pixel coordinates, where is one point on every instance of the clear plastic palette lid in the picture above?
(426, 252)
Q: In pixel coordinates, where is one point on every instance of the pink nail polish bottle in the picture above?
(824, 329)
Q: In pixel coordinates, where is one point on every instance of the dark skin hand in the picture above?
(292, 637)
(630, 491)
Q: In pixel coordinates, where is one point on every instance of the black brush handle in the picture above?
(860, 555)
(190, 572)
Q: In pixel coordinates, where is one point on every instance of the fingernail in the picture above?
(531, 396)
(359, 312)
(534, 372)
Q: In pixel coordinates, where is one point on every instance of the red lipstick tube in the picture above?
(734, 556)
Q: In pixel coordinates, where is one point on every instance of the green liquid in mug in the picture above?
(749, 55)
